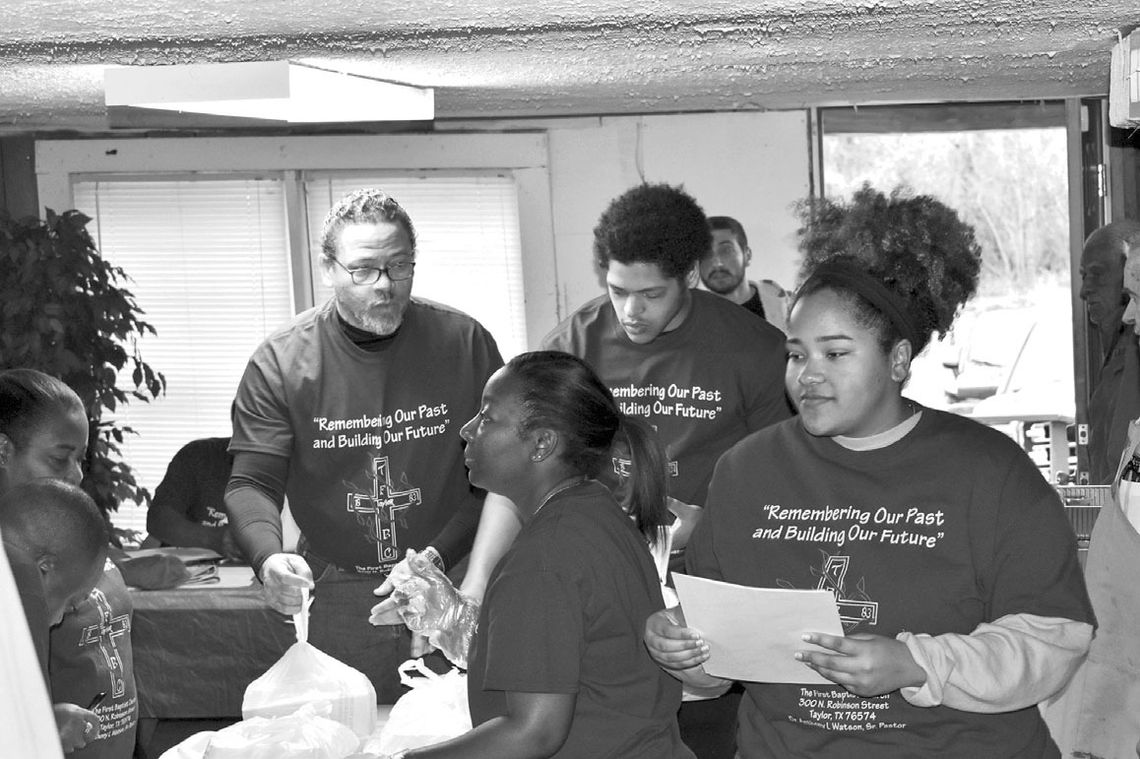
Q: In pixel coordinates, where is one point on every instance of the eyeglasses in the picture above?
(368, 275)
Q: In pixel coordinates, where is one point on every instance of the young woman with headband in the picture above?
(952, 562)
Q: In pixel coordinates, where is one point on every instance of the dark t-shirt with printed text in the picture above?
(564, 612)
(950, 527)
(372, 437)
(91, 654)
(195, 482)
(703, 386)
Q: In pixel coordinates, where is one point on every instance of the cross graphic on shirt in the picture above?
(384, 506)
(105, 634)
(851, 612)
(624, 467)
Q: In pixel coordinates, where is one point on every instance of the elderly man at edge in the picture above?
(1116, 385)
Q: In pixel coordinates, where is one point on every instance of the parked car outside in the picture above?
(1011, 367)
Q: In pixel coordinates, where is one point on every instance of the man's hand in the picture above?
(671, 644)
(283, 575)
(77, 726)
(123, 537)
(867, 665)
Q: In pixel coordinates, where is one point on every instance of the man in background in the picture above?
(188, 509)
(1116, 386)
(723, 272)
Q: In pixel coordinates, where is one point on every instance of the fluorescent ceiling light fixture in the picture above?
(268, 90)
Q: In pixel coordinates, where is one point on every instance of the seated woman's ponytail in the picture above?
(644, 498)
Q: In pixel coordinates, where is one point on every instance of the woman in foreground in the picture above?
(557, 667)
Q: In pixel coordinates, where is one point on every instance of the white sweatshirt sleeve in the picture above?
(1011, 663)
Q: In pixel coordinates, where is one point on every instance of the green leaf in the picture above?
(64, 311)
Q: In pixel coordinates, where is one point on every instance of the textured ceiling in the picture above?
(498, 59)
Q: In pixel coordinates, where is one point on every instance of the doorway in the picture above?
(1004, 168)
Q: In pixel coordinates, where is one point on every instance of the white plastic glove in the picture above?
(429, 604)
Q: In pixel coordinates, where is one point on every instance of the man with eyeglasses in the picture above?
(353, 411)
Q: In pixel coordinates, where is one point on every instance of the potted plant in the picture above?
(65, 311)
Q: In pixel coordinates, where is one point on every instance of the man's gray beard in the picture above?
(380, 327)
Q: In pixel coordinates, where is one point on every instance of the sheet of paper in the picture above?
(753, 633)
(224, 577)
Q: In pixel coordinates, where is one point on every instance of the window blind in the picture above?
(210, 265)
(468, 255)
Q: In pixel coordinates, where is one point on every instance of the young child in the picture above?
(56, 542)
(43, 433)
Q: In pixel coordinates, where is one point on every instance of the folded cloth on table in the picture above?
(203, 574)
(162, 568)
(153, 572)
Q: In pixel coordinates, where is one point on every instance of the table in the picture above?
(197, 648)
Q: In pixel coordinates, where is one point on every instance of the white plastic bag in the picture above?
(307, 733)
(305, 675)
(434, 710)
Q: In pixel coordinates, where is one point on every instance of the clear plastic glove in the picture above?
(387, 611)
(428, 603)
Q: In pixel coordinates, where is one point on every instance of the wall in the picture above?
(749, 165)
(752, 166)
(17, 177)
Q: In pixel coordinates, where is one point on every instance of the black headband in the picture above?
(853, 278)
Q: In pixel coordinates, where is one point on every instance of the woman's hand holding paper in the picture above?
(867, 665)
(671, 644)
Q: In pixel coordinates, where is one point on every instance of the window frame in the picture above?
(60, 164)
(524, 155)
(1073, 115)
